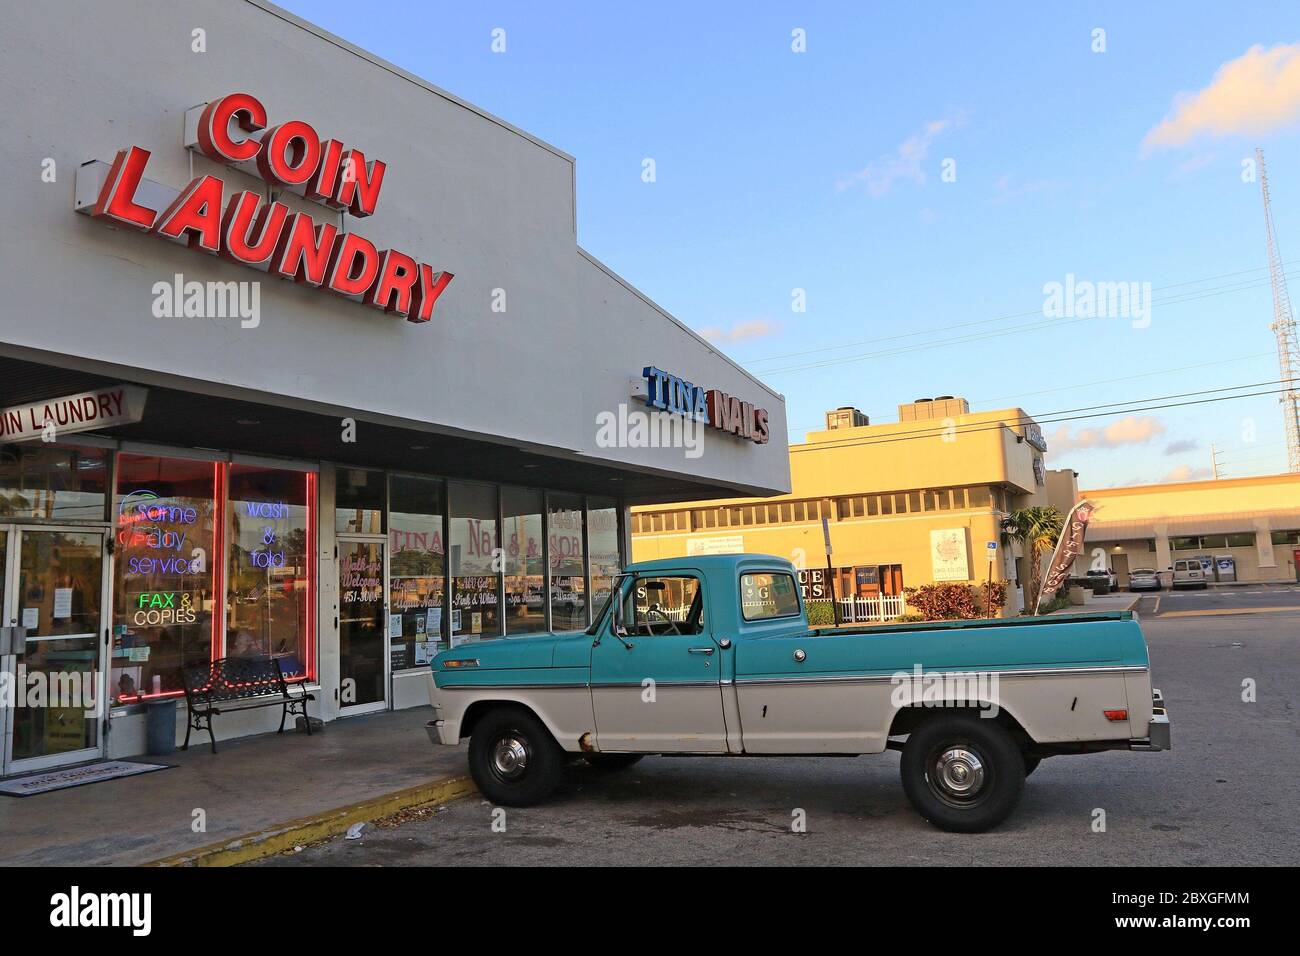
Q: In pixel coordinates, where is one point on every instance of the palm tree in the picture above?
(1037, 530)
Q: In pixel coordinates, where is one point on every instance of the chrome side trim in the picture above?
(1002, 675)
(513, 686)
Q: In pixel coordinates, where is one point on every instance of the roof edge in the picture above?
(383, 64)
(679, 323)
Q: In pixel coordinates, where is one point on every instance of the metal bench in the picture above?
(238, 683)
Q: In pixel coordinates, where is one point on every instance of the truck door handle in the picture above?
(701, 650)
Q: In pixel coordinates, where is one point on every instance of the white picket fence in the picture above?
(885, 607)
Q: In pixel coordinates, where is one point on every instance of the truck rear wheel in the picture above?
(513, 758)
(962, 773)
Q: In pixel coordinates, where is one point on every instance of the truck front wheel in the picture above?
(962, 773)
(513, 758)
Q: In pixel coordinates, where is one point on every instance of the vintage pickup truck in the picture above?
(714, 655)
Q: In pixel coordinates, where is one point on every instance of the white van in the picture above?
(1189, 574)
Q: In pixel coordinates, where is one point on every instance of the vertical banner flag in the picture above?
(1069, 547)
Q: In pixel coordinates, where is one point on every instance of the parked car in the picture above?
(741, 673)
(1144, 579)
(1189, 574)
(1108, 574)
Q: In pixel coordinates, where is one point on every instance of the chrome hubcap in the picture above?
(959, 772)
(510, 757)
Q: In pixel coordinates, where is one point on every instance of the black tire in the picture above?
(514, 760)
(984, 779)
(1031, 764)
(612, 763)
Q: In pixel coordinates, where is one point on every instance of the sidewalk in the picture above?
(1120, 601)
(274, 790)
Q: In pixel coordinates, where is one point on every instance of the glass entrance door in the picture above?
(363, 627)
(51, 651)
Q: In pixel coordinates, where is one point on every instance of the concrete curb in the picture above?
(319, 826)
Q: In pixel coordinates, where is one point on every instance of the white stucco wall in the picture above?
(463, 191)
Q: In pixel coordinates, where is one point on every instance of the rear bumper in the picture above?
(1157, 737)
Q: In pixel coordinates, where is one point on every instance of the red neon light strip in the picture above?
(309, 664)
(218, 555)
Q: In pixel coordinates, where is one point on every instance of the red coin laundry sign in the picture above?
(268, 235)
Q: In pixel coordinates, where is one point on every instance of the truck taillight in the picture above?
(1116, 715)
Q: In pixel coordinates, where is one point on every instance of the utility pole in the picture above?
(1214, 461)
(1288, 351)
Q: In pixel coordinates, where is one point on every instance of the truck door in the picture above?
(658, 687)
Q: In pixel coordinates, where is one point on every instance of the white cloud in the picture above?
(741, 331)
(1256, 93)
(904, 164)
(1129, 430)
(1006, 188)
(1178, 447)
(1188, 473)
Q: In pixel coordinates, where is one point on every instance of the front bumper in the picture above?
(1157, 737)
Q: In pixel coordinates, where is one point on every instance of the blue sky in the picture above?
(822, 171)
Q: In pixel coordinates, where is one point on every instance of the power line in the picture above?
(1064, 415)
(995, 319)
(983, 336)
(1105, 381)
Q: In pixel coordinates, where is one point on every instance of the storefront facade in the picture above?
(1241, 530)
(299, 358)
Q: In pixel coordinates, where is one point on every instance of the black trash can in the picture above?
(160, 728)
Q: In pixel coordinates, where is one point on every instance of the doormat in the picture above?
(75, 777)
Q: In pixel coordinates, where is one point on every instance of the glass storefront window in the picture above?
(53, 481)
(417, 571)
(360, 497)
(163, 604)
(269, 593)
(568, 584)
(521, 537)
(602, 547)
(475, 569)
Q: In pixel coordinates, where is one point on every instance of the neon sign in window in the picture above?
(269, 580)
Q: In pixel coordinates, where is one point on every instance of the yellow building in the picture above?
(908, 503)
(1253, 523)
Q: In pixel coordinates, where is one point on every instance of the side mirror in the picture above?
(616, 615)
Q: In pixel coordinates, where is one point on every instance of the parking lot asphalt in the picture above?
(1226, 793)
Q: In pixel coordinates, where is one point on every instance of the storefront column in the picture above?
(1264, 543)
(1164, 556)
(327, 601)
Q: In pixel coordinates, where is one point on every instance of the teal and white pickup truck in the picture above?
(714, 655)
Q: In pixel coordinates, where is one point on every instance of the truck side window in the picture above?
(669, 604)
(768, 594)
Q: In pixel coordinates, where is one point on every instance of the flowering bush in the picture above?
(955, 602)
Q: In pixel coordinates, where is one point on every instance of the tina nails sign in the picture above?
(710, 406)
(261, 233)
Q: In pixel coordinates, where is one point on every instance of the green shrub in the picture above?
(821, 613)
